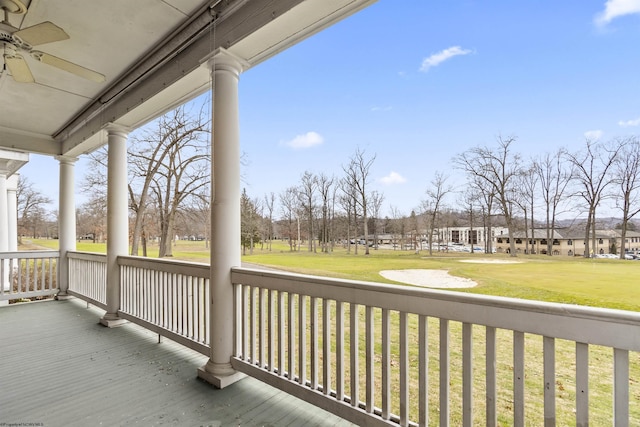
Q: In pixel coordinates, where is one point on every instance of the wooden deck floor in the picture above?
(59, 367)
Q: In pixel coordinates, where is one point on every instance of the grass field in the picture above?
(592, 282)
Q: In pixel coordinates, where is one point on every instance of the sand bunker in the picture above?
(428, 278)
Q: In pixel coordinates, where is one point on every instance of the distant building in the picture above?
(467, 235)
(568, 242)
(563, 242)
(631, 240)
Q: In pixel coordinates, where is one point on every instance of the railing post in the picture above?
(117, 219)
(225, 215)
(12, 211)
(620, 387)
(4, 230)
(66, 222)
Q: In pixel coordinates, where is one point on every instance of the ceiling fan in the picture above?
(17, 42)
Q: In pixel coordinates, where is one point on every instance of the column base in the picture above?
(63, 297)
(112, 321)
(219, 380)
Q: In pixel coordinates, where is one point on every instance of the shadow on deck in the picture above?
(59, 367)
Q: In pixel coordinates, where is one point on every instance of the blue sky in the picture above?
(416, 82)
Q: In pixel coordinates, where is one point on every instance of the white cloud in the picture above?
(387, 108)
(616, 8)
(635, 122)
(393, 178)
(438, 58)
(593, 134)
(307, 140)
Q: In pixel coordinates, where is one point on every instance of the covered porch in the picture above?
(59, 368)
(367, 353)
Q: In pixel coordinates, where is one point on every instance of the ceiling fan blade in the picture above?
(69, 67)
(19, 68)
(44, 32)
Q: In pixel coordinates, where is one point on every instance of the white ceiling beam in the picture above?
(28, 143)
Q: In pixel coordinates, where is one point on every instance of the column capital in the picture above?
(222, 59)
(67, 160)
(114, 128)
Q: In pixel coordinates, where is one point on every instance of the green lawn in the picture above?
(591, 282)
(598, 282)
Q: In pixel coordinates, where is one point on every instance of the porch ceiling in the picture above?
(150, 53)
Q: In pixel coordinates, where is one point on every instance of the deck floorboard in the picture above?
(60, 367)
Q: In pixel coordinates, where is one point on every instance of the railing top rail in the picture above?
(614, 328)
(86, 255)
(194, 269)
(30, 254)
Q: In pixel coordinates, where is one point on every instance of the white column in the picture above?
(4, 227)
(117, 219)
(66, 221)
(225, 216)
(12, 211)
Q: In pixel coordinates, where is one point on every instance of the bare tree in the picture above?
(525, 197)
(196, 217)
(397, 226)
(95, 184)
(499, 169)
(554, 174)
(31, 207)
(530, 186)
(436, 192)
(413, 230)
(325, 184)
(486, 200)
(592, 175)
(470, 199)
(168, 158)
(376, 204)
(307, 199)
(92, 217)
(357, 172)
(627, 178)
(348, 201)
(183, 174)
(269, 204)
(332, 213)
(289, 206)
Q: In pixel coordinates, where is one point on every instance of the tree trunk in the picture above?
(526, 230)
(471, 230)
(587, 252)
(144, 243)
(594, 242)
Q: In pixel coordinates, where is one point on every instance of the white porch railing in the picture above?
(366, 351)
(88, 277)
(168, 297)
(28, 274)
(380, 354)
